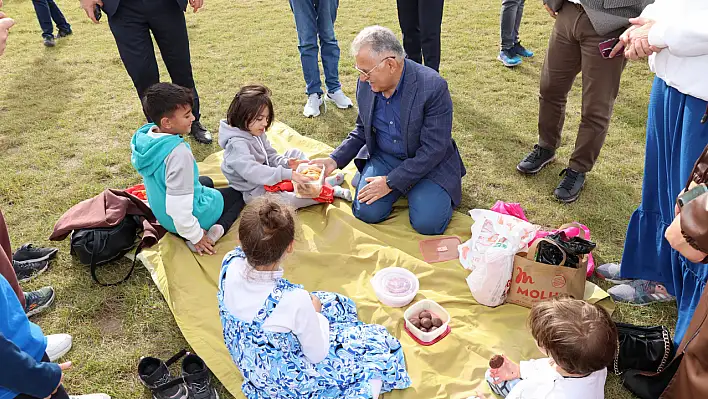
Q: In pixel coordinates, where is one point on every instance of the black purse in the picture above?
(642, 348)
(98, 246)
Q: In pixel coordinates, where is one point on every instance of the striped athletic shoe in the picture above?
(640, 292)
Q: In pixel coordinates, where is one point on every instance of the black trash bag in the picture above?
(573, 248)
(549, 254)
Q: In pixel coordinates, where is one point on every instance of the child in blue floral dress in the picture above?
(287, 342)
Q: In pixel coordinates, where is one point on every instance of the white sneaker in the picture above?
(340, 99)
(312, 108)
(58, 345)
(90, 396)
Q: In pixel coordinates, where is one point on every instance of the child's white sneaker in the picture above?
(312, 107)
(90, 396)
(340, 99)
(58, 345)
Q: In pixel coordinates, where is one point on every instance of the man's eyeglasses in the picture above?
(368, 73)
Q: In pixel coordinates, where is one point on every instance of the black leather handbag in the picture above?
(98, 246)
(642, 348)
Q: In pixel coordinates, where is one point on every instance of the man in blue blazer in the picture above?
(131, 22)
(402, 144)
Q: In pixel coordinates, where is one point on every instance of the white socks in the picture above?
(215, 233)
(339, 192)
(335, 180)
(375, 388)
(343, 193)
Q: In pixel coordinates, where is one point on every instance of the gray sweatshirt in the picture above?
(250, 162)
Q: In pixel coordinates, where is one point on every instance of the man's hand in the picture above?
(196, 4)
(316, 303)
(550, 11)
(638, 36)
(617, 49)
(375, 189)
(63, 367)
(507, 372)
(5, 25)
(205, 245)
(675, 237)
(89, 6)
(328, 163)
(293, 163)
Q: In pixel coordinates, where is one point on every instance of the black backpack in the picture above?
(98, 246)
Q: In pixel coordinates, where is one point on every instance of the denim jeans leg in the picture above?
(58, 17)
(379, 210)
(44, 16)
(430, 207)
(519, 15)
(329, 47)
(306, 25)
(508, 23)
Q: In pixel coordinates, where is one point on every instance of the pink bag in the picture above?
(570, 229)
(507, 208)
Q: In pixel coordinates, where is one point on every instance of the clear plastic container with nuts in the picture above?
(313, 188)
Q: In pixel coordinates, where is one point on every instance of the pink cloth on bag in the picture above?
(515, 209)
(507, 208)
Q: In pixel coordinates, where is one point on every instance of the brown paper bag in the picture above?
(533, 282)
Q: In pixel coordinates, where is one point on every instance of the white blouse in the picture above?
(246, 290)
(681, 29)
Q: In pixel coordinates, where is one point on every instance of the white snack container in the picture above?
(395, 286)
(434, 308)
(312, 189)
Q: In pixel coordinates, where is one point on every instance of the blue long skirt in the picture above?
(675, 140)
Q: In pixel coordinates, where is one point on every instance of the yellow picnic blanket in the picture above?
(336, 252)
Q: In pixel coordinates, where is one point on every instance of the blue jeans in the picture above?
(313, 19)
(430, 206)
(47, 10)
(511, 13)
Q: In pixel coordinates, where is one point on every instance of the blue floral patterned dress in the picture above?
(274, 366)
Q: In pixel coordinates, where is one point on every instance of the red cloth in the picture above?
(326, 194)
(138, 190)
(107, 210)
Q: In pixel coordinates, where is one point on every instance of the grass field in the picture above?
(67, 115)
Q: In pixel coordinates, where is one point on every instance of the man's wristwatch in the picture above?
(388, 183)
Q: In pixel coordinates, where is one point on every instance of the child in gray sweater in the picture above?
(252, 166)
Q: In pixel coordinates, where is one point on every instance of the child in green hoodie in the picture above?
(182, 202)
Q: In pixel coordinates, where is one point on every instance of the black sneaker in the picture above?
(64, 33)
(49, 42)
(200, 133)
(153, 373)
(569, 188)
(196, 375)
(29, 269)
(37, 301)
(536, 160)
(30, 252)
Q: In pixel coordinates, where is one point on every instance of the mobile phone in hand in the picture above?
(607, 46)
(97, 12)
